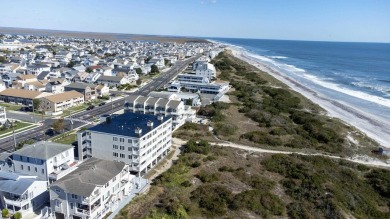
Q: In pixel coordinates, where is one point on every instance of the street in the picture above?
(82, 118)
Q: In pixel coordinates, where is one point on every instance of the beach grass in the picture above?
(11, 107)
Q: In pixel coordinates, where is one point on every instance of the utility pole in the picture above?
(33, 111)
(13, 133)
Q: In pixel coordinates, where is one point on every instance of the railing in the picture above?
(16, 202)
(59, 174)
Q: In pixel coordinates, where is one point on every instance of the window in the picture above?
(129, 148)
(121, 139)
(71, 205)
(122, 155)
(129, 141)
(115, 154)
(21, 166)
(130, 157)
(58, 203)
(74, 196)
(36, 169)
(114, 138)
(43, 171)
(122, 148)
(58, 190)
(28, 168)
(115, 146)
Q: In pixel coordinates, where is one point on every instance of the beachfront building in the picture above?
(160, 106)
(47, 161)
(95, 188)
(57, 103)
(112, 80)
(22, 193)
(218, 88)
(136, 139)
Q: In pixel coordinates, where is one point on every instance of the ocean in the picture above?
(356, 75)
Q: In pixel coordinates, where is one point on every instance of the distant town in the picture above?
(82, 121)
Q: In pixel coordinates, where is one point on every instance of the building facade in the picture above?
(136, 139)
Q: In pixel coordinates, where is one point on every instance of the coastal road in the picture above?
(87, 117)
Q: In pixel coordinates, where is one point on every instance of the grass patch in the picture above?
(17, 126)
(68, 139)
(11, 107)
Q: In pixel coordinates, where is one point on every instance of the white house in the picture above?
(95, 188)
(36, 69)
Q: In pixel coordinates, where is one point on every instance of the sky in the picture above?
(319, 20)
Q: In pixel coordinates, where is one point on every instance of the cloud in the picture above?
(208, 2)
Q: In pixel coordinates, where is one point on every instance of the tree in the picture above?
(139, 82)
(17, 215)
(148, 59)
(89, 70)
(167, 62)
(154, 69)
(36, 104)
(2, 59)
(58, 125)
(138, 71)
(5, 213)
(71, 64)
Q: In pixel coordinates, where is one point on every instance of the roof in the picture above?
(79, 85)
(131, 98)
(89, 174)
(152, 101)
(42, 150)
(25, 77)
(64, 96)
(4, 156)
(18, 186)
(167, 95)
(174, 103)
(29, 94)
(162, 102)
(109, 78)
(125, 124)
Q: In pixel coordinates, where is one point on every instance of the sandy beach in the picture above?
(370, 125)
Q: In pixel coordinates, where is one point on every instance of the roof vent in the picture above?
(160, 118)
(150, 124)
(138, 131)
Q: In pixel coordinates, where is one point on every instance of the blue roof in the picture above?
(125, 124)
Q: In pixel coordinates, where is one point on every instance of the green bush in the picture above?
(213, 199)
(203, 147)
(5, 213)
(225, 128)
(207, 177)
(17, 215)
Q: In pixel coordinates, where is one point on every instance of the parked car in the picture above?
(91, 107)
(102, 104)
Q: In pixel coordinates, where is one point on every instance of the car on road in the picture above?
(91, 107)
(102, 104)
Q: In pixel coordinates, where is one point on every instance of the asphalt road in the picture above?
(43, 132)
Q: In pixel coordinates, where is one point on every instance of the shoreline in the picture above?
(371, 127)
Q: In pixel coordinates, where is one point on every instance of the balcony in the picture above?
(16, 200)
(63, 171)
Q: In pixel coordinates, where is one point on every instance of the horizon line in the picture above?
(184, 36)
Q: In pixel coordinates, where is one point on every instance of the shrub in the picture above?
(5, 213)
(207, 177)
(203, 147)
(225, 128)
(17, 215)
(213, 199)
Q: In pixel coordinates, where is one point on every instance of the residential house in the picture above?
(22, 193)
(18, 96)
(102, 90)
(112, 80)
(89, 90)
(56, 85)
(46, 160)
(36, 69)
(94, 189)
(56, 103)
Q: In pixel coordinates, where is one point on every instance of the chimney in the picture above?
(138, 131)
(150, 124)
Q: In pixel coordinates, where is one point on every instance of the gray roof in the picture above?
(131, 98)
(162, 102)
(42, 150)
(42, 75)
(14, 183)
(4, 156)
(89, 174)
(109, 78)
(174, 104)
(142, 99)
(151, 101)
(79, 85)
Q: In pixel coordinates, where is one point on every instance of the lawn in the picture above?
(19, 125)
(11, 106)
(67, 139)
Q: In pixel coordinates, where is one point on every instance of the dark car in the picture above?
(90, 107)
(102, 104)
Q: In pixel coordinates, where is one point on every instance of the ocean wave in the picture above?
(358, 94)
(379, 88)
(278, 57)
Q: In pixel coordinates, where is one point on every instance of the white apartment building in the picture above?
(92, 190)
(48, 161)
(138, 140)
(22, 193)
(161, 106)
(55, 104)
